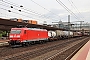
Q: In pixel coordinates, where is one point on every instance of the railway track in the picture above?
(61, 53)
(44, 51)
(69, 51)
(5, 51)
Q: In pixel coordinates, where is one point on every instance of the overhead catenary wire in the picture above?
(79, 13)
(16, 5)
(5, 15)
(40, 15)
(17, 9)
(44, 8)
(14, 12)
(65, 7)
(20, 11)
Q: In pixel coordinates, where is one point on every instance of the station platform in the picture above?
(83, 53)
(4, 42)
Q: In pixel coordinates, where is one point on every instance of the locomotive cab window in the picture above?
(15, 32)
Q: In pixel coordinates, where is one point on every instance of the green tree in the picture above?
(2, 33)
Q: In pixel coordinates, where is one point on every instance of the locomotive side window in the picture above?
(24, 31)
(15, 31)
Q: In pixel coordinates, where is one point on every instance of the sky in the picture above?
(46, 11)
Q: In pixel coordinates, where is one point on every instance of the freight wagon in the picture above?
(59, 34)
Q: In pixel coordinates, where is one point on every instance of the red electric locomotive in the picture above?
(27, 35)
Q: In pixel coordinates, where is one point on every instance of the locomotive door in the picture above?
(25, 35)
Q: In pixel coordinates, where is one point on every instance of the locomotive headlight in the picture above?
(18, 36)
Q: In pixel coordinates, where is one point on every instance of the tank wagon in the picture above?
(51, 35)
(77, 34)
(59, 34)
(26, 36)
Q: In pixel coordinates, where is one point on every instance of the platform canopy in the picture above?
(7, 24)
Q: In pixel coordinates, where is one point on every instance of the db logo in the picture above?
(15, 35)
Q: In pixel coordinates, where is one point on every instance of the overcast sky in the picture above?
(46, 10)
